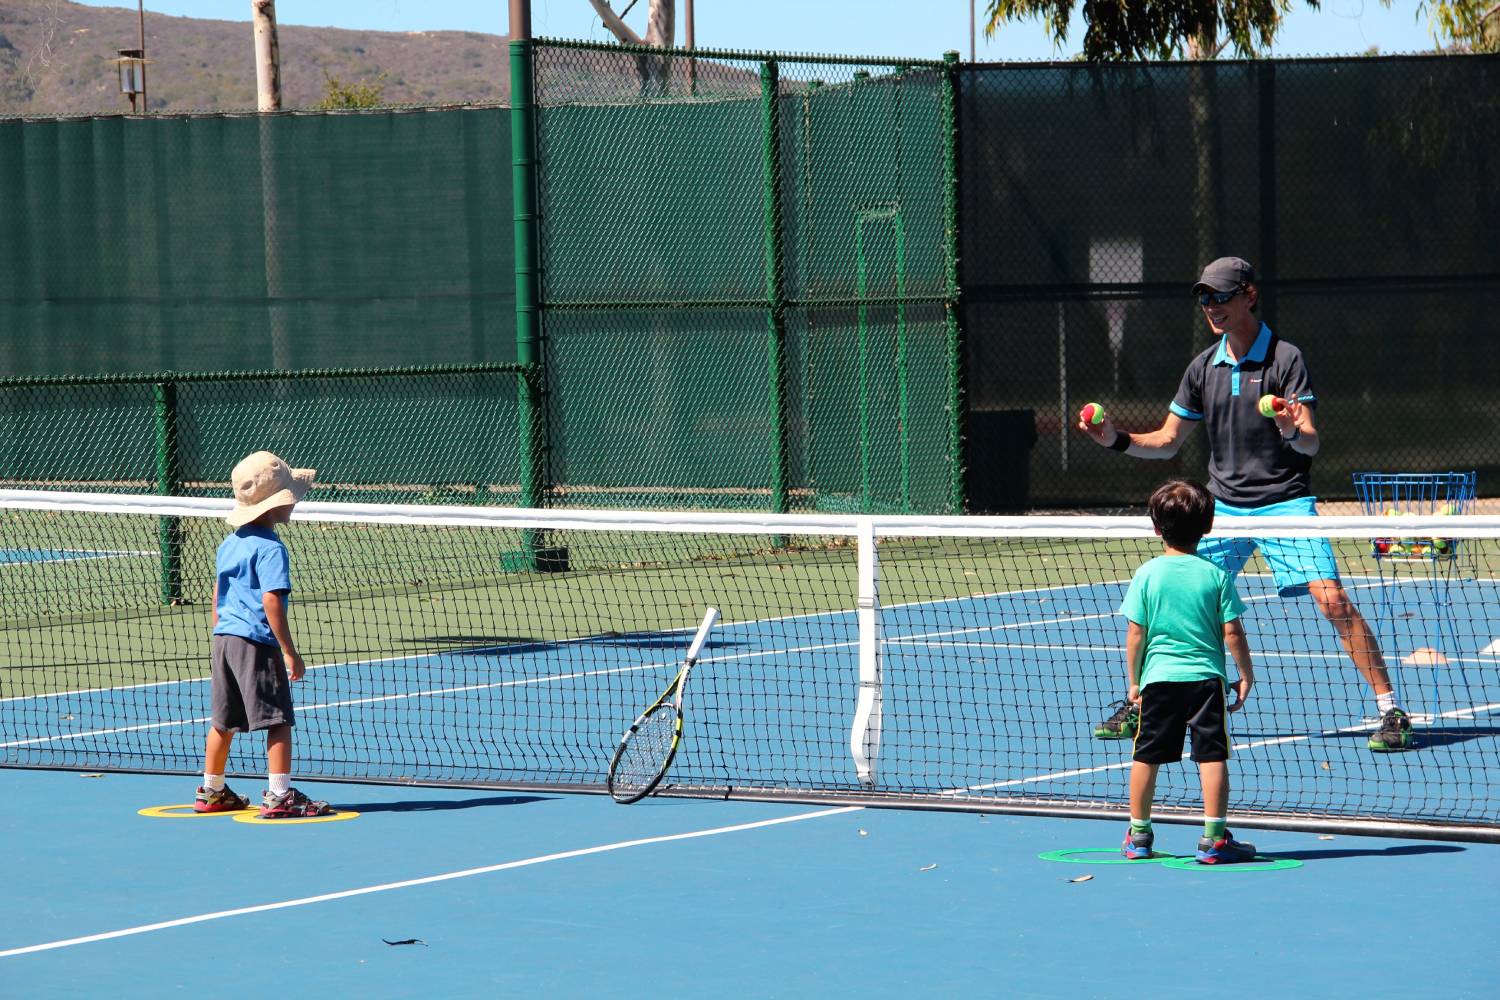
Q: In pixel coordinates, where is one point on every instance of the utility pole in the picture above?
(140, 13)
(687, 8)
(267, 56)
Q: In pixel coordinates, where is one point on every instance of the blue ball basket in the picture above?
(1414, 493)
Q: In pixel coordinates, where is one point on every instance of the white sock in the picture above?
(280, 783)
(213, 782)
(1386, 702)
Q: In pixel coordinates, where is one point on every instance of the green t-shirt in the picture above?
(1183, 603)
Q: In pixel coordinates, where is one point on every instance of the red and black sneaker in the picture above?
(291, 805)
(223, 800)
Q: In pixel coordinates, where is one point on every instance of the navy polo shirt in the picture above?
(1249, 465)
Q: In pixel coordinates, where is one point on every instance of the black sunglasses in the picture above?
(1219, 298)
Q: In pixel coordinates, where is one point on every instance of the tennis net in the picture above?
(944, 662)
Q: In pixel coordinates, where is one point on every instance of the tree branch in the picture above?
(617, 27)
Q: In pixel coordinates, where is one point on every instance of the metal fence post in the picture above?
(953, 286)
(532, 413)
(168, 479)
(770, 85)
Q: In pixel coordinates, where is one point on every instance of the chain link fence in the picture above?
(768, 281)
(409, 435)
(1363, 190)
(748, 279)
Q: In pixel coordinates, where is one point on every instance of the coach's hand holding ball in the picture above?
(1285, 412)
(1094, 422)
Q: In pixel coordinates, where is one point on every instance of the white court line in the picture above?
(427, 880)
(1364, 727)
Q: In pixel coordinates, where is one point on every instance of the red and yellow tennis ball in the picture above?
(1271, 404)
(1092, 413)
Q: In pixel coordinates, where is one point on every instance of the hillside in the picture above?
(54, 60)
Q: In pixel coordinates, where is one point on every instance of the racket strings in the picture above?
(644, 753)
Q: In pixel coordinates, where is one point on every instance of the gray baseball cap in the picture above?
(1225, 275)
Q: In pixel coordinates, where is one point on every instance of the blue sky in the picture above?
(842, 27)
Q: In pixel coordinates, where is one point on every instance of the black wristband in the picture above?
(1121, 441)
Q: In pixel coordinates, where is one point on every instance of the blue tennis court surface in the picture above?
(509, 894)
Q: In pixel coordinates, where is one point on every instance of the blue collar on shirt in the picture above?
(1257, 352)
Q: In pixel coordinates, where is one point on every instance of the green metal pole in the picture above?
(953, 282)
(866, 491)
(532, 412)
(770, 85)
(168, 476)
(903, 364)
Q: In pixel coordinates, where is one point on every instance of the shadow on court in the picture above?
(440, 805)
(1398, 851)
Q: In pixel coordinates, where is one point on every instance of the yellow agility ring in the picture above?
(186, 812)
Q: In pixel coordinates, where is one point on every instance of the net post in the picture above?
(770, 87)
(864, 734)
(168, 477)
(953, 284)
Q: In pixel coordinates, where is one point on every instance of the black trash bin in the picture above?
(999, 459)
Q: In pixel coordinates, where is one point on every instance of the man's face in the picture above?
(1231, 314)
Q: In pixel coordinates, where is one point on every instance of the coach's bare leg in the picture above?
(1354, 632)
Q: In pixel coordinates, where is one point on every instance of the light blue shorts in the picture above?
(1294, 562)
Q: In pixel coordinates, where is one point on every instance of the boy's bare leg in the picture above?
(1215, 778)
(1142, 789)
(279, 749)
(216, 750)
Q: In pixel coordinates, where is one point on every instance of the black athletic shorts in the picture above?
(1168, 708)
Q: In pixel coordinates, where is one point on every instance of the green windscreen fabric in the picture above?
(221, 242)
(1364, 190)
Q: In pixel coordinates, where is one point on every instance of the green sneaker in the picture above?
(1394, 733)
(1123, 725)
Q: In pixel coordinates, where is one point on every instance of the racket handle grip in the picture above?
(709, 617)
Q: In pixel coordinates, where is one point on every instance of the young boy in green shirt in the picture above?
(1183, 611)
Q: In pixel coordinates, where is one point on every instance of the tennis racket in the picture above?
(648, 746)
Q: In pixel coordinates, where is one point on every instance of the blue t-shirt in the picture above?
(249, 563)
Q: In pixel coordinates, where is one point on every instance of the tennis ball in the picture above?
(1271, 404)
(1448, 509)
(1392, 511)
(1092, 413)
(1440, 545)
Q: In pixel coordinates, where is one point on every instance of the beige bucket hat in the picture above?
(264, 482)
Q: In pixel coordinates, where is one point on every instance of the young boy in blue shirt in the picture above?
(1183, 611)
(253, 651)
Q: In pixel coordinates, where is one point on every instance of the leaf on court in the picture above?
(1079, 878)
(1326, 766)
(926, 868)
(1325, 836)
(94, 774)
(864, 833)
(407, 941)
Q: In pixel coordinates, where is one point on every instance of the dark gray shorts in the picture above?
(250, 687)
